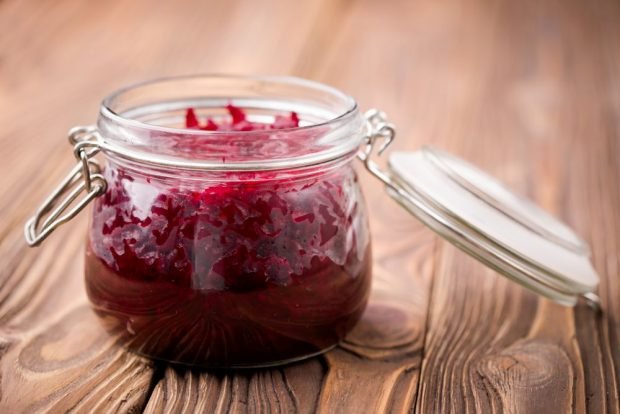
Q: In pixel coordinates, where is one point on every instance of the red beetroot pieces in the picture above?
(252, 269)
(239, 122)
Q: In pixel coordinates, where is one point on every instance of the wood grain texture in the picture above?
(528, 90)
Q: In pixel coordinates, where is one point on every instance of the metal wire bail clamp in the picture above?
(85, 177)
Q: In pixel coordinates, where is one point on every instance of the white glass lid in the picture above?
(479, 215)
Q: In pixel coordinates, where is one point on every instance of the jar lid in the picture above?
(480, 216)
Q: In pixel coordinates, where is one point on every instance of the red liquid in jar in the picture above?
(254, 269)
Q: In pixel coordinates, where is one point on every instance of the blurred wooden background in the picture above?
(529, 90)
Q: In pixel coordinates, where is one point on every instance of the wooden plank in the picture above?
(528, 90)
(541, 120)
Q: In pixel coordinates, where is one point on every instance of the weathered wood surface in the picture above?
(529, 90)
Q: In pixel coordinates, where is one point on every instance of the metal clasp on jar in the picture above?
(83, 183)
(377, 129)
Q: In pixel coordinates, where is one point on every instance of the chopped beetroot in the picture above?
(191, 120)
(210, 125)
(236, 113)
(239, 121)
(247, 268)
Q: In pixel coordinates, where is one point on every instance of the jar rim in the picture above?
(106, 103)
(119, 130)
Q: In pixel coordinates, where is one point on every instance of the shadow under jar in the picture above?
(229, 248)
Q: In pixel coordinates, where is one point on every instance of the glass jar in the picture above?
(229, 248)
(246, 243)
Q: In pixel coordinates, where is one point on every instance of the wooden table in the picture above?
(528, 90)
